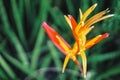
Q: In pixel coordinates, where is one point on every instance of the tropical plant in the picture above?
(25, 49)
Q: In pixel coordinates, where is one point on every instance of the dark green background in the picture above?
(25, 48)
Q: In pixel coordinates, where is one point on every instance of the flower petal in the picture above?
(81, 15)
(58, 41)
(104, 17)
(65, 63)
(96, 18)
(84, 62)
(95, 40)
(74, 59)
(88, 30)
(73, 22)
(86, 14)
(68, 21)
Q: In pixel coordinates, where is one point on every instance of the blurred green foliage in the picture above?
(25, 48)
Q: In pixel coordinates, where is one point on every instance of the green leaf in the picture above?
(20, 7)
(15, 62)
(55, 55)
(12, 36)
(7, 68)
(42, 16)
(70, 7)
(45, 62)
(110, 73)
(37, 49)
(3, 74)
(18, 22)
(95, 58)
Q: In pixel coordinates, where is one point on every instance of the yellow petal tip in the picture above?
(112, 15)
(63, 71)
(84, 76)
(95, 4)
(107, 10)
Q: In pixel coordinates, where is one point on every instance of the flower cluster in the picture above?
(79, 31)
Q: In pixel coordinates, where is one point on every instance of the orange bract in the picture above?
(79, 30)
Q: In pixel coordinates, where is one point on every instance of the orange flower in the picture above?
(79, 30)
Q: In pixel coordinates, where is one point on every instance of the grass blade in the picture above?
(42, 16)
(84, 5)
(11, 35)
(54, 55)
(109, 73)
(28, 10)
(37, 49)
(7, 68)
(21, 6)
(99, 58)
(46, 61)
(3, 76)
(18, 21)
(71, 8)
(15, 62)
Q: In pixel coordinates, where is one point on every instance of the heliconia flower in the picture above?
(79, 30)
(60, 43)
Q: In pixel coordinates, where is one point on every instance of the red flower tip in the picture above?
(106, 35)
(70, 16)
(73, 22)
(44, 24)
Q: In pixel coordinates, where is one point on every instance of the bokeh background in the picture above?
(25, 48)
